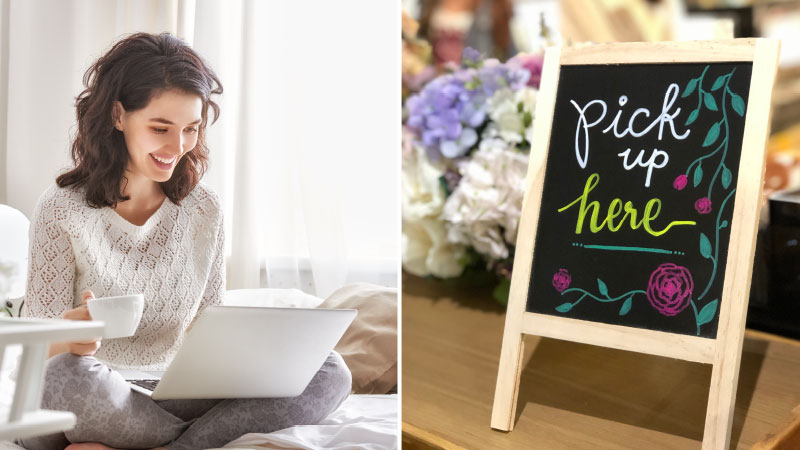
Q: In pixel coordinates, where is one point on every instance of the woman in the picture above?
(132, 217)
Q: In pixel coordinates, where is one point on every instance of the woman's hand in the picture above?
(82, 348)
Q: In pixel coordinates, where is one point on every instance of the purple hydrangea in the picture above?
(470, 57)
(448, 111)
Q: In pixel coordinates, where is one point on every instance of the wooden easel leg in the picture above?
(508, 375)
(721, 401)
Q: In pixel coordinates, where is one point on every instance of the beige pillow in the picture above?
(369, 346)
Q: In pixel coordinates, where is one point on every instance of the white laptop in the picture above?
(247, 352)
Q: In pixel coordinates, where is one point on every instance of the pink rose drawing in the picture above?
(561, 280)
(680, 182)
(670, 289)
(703, 205)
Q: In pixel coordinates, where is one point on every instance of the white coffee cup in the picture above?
(121, 314)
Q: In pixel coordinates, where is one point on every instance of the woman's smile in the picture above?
(164, 162)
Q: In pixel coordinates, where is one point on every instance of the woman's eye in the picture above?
(164, 130)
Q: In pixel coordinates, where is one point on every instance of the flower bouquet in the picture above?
(466, 141)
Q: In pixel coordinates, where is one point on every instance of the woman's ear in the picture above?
(117, 112)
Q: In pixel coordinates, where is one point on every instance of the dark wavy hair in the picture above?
(134, 71)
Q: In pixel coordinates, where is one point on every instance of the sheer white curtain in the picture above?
(304, 155)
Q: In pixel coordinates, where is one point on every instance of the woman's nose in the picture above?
(178, 142)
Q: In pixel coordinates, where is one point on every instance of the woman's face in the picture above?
(158, 135)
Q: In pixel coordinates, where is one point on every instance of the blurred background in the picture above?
(435, 33)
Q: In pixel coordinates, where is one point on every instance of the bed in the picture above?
(364, 421)
(368, 419)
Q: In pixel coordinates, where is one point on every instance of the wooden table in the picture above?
(572, 396)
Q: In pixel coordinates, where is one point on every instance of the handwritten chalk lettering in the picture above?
(669, 99)
(651, 163)
(590, 116)
(651, 211)
(582, 151)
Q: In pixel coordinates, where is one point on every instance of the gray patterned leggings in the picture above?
(111, 413)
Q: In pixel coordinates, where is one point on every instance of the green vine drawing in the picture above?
(626, 305)
(721, 128)
(706, 98)
(669, 291)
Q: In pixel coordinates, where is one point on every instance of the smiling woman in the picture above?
(132, 217)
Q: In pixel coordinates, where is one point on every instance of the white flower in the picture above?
(422, 193)
(527, 98)
(485, 208)
(508, 111)
(426, 250)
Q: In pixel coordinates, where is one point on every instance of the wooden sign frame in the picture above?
(724, 352)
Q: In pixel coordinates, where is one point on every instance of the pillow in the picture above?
(369, 346)
(276, 298)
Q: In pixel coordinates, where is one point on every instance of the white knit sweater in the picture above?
(176, 260)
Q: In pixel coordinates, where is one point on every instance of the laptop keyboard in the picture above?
(147, 384)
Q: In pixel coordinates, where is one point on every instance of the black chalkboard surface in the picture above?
(638, 194)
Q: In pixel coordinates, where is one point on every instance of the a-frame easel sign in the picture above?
(640, 216)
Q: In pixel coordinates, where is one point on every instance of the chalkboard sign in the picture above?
(639, 193)
(641, 208)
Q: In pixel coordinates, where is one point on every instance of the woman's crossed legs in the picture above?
(109, 412)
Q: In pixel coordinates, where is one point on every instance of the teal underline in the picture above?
(629, 249)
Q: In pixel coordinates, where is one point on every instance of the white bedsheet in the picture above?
(367, 422)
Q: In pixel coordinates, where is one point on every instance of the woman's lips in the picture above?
(163, 165)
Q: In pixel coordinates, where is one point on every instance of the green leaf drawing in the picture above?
(726, 178)
(626, 307)
(712, 135)
(705, 246)
(711, 104)
(603, 288)
(737, 103)
(565, 307)
(718, 84)
(707, 313)
(723, 224)
(692, 117)
(689, 88)
(698, 176)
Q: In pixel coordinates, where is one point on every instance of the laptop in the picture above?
(247, 352)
